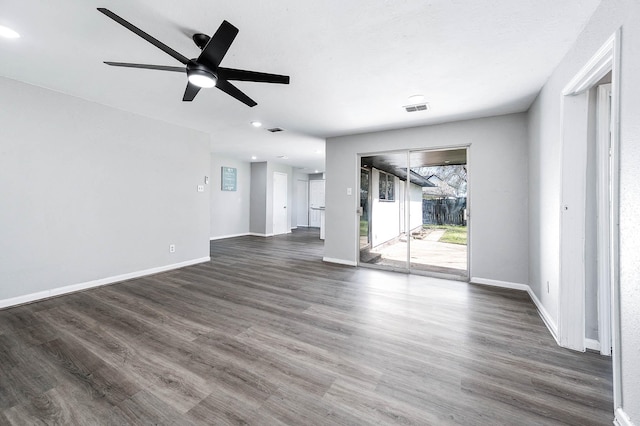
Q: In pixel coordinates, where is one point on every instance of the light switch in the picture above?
(349, 191)
(200, 188)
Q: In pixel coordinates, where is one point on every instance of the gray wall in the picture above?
(544, 178)
(262, 196)
(258, 207)
(498, 189)
(90, 192)
(230, 210)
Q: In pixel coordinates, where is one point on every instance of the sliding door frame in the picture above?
(407, 199)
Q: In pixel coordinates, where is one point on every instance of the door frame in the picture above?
(603, 146)
(361, 211)
(605, 60)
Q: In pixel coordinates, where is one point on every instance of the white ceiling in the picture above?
(353, 64)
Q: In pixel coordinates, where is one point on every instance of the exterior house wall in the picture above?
(387, 221)
(415, 206)
(385, 215)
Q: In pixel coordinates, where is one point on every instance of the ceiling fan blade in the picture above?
(144, 35)
(232, 90)
(218, 45)
(243, 75)
(190, 92)
(146, 66)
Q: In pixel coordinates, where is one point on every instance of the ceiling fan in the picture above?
(205, 70)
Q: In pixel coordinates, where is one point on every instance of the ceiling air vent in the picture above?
(416, 107)
(275, 129)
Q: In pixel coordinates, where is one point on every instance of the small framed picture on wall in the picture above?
(229, 178)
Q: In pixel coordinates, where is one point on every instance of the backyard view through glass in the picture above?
(424, 226)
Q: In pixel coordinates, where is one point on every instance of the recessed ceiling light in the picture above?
(8, 32)
(256, 124)
(317, 171)
(416, 99)
(253, 157)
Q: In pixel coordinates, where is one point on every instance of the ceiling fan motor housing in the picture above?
(201, 40)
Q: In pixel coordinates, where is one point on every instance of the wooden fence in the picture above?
(444, 211)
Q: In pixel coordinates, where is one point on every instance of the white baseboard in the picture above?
(622, 419)
(256, 234)
(496, 283)
(592, 344)
(27, 298)
(222, 237)
(339, 261)
(544, 314)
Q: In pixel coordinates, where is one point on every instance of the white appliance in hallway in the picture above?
(302, 203)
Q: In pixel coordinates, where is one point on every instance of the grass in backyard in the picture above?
(455, 234)
(364, 227)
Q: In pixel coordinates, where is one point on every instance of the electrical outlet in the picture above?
(172, 248)
(200, 188)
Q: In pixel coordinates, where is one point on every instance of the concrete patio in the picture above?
(427, 254)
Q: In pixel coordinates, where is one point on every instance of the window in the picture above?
(386, 185)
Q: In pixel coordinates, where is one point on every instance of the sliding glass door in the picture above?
(438, 213)
(414, 211)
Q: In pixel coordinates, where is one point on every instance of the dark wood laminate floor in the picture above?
(266, 333)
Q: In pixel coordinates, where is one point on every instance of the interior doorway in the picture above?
(414, 212)
(590, 112)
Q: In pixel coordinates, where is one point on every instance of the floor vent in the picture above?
(275, 129)
(416, 107)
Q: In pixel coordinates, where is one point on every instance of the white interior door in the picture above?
(280, 203)
(302, 203)
(571, 320)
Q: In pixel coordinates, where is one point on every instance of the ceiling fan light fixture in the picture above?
(201, 78)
